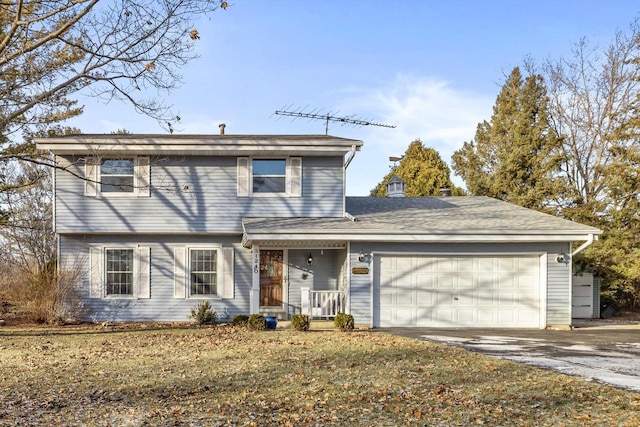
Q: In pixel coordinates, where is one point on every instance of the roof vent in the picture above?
(222, 126)
(445, 192)
(395, 187)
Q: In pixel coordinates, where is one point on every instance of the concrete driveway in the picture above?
(602, 352)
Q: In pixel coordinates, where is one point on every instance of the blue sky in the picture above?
(431, 68)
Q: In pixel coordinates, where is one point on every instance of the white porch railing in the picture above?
(322, 304)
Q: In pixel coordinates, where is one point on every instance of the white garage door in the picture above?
(467, 291)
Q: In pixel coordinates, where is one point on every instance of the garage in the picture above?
(500, 291)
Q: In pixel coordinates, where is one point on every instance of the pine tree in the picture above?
(516, 156)
(422, 171)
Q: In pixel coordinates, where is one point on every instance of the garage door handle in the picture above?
(456, 298)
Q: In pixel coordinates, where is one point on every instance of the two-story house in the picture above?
(261, 223)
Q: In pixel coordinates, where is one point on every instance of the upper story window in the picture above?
(119, 269)
(116, 176)
(269, 175)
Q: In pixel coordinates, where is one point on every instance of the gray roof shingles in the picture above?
(427, 215)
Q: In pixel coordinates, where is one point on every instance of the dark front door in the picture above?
(271, 278)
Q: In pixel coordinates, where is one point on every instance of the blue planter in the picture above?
(272, 322)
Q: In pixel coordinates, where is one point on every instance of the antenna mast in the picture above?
(351, 120)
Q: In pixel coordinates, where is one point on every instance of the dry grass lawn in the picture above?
(221, 376)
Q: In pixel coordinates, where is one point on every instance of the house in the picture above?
(261, 223)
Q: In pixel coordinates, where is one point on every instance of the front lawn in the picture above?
(221, 376)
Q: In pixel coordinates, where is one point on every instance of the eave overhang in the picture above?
(250, 238)
(207, 145)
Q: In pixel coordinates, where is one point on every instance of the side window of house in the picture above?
(119, 271)
(203, 272)
(269, 175)
(116, 176)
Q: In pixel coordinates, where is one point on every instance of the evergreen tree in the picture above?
(517, 155)
(422, 171)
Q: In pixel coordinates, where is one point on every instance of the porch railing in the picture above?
(323, 304)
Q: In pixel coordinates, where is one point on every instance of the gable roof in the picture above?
(231, 145)
(434, 219)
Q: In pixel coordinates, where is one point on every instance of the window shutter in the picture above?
(295, 177)
(144, 272)
(243, 177)
(91, 177)
(95, 277)
(143, 174)
(179, 273)
(227, 273)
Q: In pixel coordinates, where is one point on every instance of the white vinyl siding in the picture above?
(193, 195)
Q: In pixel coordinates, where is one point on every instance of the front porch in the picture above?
(294, 280)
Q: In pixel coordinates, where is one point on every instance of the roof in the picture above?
(232, 145)
(445, 219)
(395, 178)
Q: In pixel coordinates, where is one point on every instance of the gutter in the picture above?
(590, 239)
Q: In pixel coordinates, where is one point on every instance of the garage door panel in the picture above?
(445, 265)
(466, 281)
(406, 298)
(432, 291)
(444, 281)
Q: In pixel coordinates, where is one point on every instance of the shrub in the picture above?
(203, 314)
(344, 322)
(300, 322)
(47, 295)
(257, 322)
(240, 320)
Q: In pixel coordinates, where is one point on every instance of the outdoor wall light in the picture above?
(562, 258)
(309, 259)
(362, 257)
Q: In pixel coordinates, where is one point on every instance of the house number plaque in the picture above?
(360, 270)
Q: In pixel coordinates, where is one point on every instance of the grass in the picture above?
(223, 376)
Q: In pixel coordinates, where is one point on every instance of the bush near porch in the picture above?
(158, 375)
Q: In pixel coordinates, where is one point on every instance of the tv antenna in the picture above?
(351, 120)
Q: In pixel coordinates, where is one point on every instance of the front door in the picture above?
(271, 278)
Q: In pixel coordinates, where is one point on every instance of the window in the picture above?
(269, 175)
(204, 263)
(119, 271)
(116, 176)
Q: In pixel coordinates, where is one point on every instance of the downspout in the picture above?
(354, 148)
(590, 239)
(353, 154)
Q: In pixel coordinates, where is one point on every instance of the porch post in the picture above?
(254, 294)
(305, 307)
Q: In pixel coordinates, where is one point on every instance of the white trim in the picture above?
(393, 236)
(544, 286)
(134, 270)
(288, 178)
(219, 271)
(254, 294)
